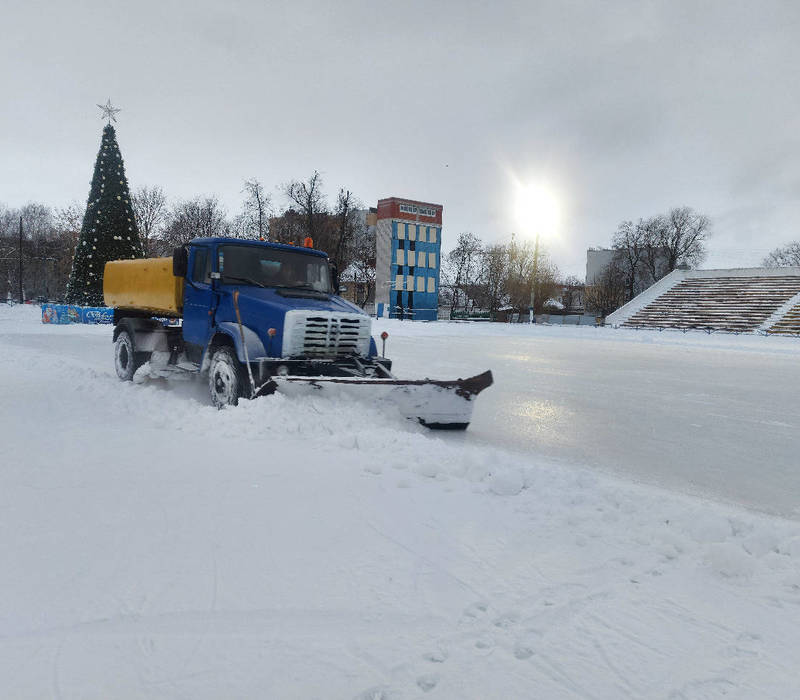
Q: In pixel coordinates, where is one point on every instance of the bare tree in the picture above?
(607, 293)
(461, 266)
(150, 209)
(38, 248)
(67, 226)
(309, 200)
(684, 237)
(521, 273)
(192, 218)
(631, 241)
(785, 256)
(654, 247)
(289, 227)
(9, 260)
(48, 242)
(572, 290)
(547, 276)
(494, 273)
(655, 259)
(362, 255)
(253, 221)
(344, 211)
(347, 223)
(68, 221)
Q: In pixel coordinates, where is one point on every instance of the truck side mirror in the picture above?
(180, 261)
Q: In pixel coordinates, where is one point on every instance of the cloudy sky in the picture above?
(620, 109)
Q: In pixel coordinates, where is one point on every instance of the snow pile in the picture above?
(314, 547)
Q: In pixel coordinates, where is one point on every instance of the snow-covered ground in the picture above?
(319, 548)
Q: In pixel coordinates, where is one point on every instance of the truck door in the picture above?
(199, 300)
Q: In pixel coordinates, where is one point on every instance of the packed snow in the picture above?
(319, 547)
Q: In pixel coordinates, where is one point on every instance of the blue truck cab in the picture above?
(251, 310)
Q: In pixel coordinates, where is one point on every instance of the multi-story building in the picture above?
(653, 264)
(408, 244)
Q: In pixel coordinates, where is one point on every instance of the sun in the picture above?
(538, 211)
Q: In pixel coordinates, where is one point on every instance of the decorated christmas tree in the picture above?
(109, 229)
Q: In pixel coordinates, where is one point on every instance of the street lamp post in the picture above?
(21, 293)
(47, 267)
(537, 212)
(533, 280)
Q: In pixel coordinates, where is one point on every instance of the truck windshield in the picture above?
(270, 267)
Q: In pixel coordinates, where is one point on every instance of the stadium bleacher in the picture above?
(726, 301)
(789, 324)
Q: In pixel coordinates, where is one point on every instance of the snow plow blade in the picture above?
(440, 405)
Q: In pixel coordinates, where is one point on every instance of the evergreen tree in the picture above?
(109, 229)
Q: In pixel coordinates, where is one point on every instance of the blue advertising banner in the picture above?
(67, 313)
(97, 314)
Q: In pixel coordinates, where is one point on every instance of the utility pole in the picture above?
(533, 280)
(21, 300)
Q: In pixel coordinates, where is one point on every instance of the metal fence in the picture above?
(710, 330)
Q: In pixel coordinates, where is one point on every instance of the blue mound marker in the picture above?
(69, 313)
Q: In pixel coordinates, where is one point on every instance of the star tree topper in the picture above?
(109, 111)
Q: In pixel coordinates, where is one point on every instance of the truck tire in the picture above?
(225, 378)
(126, 359)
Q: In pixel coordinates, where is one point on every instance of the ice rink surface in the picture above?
(716, 415)
(585, 538)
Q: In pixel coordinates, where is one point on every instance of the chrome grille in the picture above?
(325, 334)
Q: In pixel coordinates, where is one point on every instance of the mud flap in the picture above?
(439, 405)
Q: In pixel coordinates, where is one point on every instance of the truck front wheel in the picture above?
(225, 381)
(126, 359)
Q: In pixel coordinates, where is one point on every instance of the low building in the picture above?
(572, 298)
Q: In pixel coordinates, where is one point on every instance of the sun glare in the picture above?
(537, 210)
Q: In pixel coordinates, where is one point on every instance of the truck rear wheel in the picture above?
(225, 379)
(126, 359)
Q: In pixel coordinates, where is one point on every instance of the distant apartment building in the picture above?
(608, 270)
(408, 242)
(597, 262)
(652, 265)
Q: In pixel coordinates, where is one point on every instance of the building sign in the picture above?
(414, 209)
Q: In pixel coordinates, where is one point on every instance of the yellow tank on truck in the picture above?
(143, 285)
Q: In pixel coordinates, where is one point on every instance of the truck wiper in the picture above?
(303, 287)
(246, 279)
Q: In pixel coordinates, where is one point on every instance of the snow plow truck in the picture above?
(256, 317)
